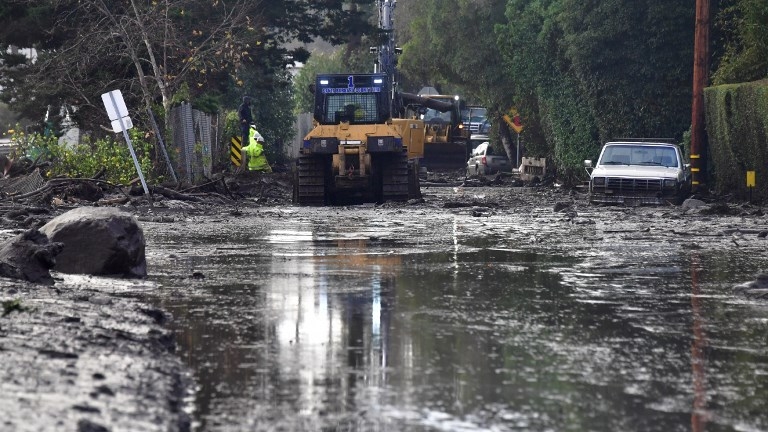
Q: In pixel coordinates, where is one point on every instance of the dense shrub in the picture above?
(737, 129)
(89, 157)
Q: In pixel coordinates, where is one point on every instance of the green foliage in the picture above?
(273, 114)
(231, 125)
(200, 51)
(90, 156)
(744, 24)
(30, 145)
(551, 96)
(207, 103)
(737, 127)
(633, 61)
(272, 110)
(589, 71)
(579, 72)
(452, 44)
(7, 119)
(569, 127)
(181, 95)
(14, 305)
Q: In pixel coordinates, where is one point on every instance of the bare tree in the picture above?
(154, 41)
(159, 51)
(148, 49)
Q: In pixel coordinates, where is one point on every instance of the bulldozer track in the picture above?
(395, 179)
(311, 181)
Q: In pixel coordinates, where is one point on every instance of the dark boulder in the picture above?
(757, 289)
(29, 256)
(98, 241)
(561, 207)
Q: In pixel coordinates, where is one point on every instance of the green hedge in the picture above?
(737, 129)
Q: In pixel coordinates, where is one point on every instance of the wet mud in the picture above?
(80, 357)
(482, 307)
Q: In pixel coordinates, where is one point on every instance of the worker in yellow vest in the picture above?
(254, 152)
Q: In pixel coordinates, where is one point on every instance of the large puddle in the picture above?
(369, 322)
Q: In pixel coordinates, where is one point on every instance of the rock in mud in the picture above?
(98, 241)
(691, 203)
(29, 256)
(561, 206)
(757, 288)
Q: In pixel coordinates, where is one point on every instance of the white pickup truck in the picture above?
(639, 172)
(483, 161)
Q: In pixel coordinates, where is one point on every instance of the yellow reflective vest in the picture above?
(254, 151)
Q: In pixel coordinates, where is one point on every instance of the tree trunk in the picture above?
(507, 141)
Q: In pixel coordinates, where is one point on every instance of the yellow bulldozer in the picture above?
(446, 138)
(357, 151)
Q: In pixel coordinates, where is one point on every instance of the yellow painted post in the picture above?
(236, 151)
(695, 170)
(750, 179)
(751, 183)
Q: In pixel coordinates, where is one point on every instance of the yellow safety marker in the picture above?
(236, 151)
(695, 170)
(750, 183)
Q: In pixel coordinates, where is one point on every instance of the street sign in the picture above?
(517, 124)
(513, 120)
(121, 122)
(116, 110)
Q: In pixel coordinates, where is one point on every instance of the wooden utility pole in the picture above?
(700, 75)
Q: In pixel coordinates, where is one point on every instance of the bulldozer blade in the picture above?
(445, 156)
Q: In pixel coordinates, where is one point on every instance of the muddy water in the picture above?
(414, 319)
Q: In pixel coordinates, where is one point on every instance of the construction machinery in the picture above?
(364, 146)
(445, 137)
(358, 151)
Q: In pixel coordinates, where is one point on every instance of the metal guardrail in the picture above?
(22, 184)
(6, 146)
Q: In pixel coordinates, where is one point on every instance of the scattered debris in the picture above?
(29, 256)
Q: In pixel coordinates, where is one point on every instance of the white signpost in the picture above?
(121, 122)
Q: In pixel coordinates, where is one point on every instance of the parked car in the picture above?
(639, 172)
(484, 161)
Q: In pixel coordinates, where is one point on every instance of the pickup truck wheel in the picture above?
(680, 197)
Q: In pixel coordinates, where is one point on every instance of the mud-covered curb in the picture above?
(78, 359)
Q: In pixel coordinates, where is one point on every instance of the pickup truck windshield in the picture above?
(639, 155)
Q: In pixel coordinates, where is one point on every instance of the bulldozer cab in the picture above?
(353, 99)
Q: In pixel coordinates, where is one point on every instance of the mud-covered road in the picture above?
(491, 308)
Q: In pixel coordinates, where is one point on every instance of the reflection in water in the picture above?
(698, 414)
(455, 249)
(315, 330)
(331, 332)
